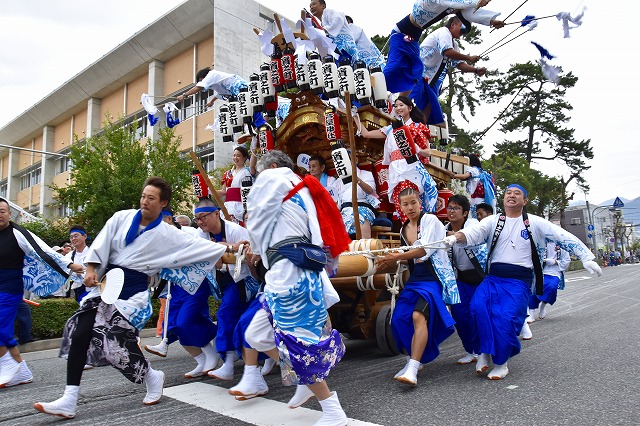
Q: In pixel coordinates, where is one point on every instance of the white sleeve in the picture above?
(333, 22)
(566, 240)
(480, 232)
(100, 250)
(212, 77)
(564, 260)
(481, 16)
(431, 230)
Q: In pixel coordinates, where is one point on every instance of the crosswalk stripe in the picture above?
(257, 411)
(568, 280)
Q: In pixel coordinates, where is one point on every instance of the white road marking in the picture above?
(576, 279)
(257, 411)
(511, 387)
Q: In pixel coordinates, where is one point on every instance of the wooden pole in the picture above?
(278, 23)
(354, 177)
(212, 189)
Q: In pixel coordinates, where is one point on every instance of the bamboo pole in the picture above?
(354, 165)
(212, 189)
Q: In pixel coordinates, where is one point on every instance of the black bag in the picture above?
(303, 254)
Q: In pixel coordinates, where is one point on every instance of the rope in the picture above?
(509, 15)
(394, 285)
(436, 245)
(239, 260)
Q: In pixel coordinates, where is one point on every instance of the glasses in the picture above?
(75, 235)
(201, 218)
(454, 208)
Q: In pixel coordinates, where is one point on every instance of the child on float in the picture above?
(420, 320)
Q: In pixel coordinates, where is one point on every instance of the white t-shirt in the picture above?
(459, 254)
(344, 190)
(513, 245)
(432, 51)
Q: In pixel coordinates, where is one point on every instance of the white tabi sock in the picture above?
(62, 407)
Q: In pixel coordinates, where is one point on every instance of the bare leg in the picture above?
(15, 353)
(250, 356)
(320, 390)
(420, 335)
(366, 230)
(194, 351)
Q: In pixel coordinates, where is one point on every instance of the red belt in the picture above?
(233, 194)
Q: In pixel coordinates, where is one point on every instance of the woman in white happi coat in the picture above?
(403, 174)
(296, 300)
(142, 245)
(26, 263)
(232, 184)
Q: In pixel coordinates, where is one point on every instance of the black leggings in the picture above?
(80, 341)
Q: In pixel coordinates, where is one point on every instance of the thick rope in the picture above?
(436, 245)
(394, 285)
(239, 260)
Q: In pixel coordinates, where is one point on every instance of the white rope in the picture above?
(394, 285)
(239, 259)
(436, 245)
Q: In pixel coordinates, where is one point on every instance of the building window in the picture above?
(185, 110)
(575, 221)
(63, 164)
(207, 157)
(65, 211)
(3, 189)
(31, 178)
(138, 126)
(201, 101)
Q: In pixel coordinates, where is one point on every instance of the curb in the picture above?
(47, 344)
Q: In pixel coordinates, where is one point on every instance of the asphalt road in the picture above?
(580, 368)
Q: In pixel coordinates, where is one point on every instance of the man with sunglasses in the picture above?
(236, 288)
(469, 266)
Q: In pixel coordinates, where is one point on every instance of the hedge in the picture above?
(49, 318)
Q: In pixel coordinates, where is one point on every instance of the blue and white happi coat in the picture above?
(176, 256)
(543, 232)
(297, 298)
(335, 24)
(424, 11)
(37, 275)
(429, 231)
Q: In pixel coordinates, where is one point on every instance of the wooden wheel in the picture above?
(384, 335)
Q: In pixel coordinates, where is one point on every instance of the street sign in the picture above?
(590, 227)
(589, 236)
(618, 204)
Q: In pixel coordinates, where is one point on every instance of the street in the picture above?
(579, 368)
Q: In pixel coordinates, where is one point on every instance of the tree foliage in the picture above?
(545, 192)
(537, 118)
(110, 168)
(52, 232)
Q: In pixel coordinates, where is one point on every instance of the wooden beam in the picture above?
(354, 166)
(212, 189)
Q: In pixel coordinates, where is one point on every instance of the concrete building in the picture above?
(161, 60)
(608, 231)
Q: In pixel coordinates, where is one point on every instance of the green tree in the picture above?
(537, 117)
(381, 41)
(109, 170)
(545, 192)
(52, 232)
